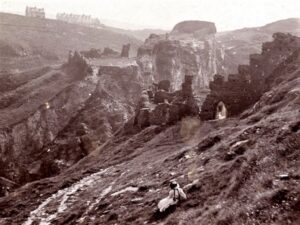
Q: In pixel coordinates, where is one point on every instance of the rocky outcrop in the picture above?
(77, 65)
(23, 153)
(50, 122)
(109, 52)
(245, 88)
(158, 106)
(200, 28)
(170, 57)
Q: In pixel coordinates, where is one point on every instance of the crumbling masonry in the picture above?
(245, 88)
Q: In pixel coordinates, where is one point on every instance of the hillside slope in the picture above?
(243, 170)
(50, 40)
(54, 116)
(140, 34)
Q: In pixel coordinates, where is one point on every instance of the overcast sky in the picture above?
(227, 14)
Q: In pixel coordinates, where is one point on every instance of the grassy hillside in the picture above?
(139, 34)
(50, 39)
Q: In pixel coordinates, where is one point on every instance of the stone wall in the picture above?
(245, 88)
(159, 106)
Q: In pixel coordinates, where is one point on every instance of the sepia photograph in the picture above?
(156, 112)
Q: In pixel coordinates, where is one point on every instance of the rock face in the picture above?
(170, 57)
(61, 115)
(38, 119)
(245, 88)
(158, 106)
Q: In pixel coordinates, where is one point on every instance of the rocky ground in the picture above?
(243, 170)
(51, 117)
(67, 120)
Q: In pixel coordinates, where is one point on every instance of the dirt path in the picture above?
(117, 185)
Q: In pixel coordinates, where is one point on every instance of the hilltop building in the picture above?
(86, 20)
(35, 12)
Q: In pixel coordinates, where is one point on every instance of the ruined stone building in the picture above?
(160, 106)
(232, 96)
(35, 12)
(86, 20)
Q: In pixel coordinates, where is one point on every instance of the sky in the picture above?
(164, 14)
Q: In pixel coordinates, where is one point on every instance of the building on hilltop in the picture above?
(86, 20)
(35, 12)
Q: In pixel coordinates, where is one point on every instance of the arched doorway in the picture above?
(221, 111)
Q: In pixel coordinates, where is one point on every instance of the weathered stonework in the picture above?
(245, 88)
(183, 51)
(165, 107)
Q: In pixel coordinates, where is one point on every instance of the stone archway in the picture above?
(221, 111)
